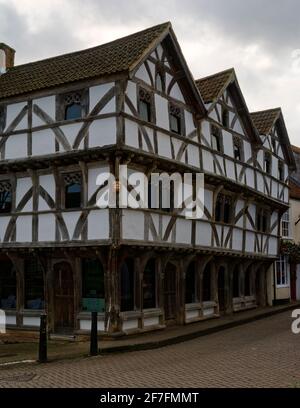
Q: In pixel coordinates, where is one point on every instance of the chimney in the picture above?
(7, 58)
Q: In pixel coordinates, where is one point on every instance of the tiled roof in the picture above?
(264, 120)
(114, 57)
(294, 190)
(211, 86)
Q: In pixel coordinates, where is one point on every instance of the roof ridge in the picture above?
(217, 73)
(74, 53)
(266, 110)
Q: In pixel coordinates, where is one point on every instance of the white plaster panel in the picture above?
(176, 145)
(238, 127)
(230, 169)
(131, 93)
(250, 177)
(273, 246)
(102, 132)
(48, 106)
(3, 225)
(16, 146)
(162, 113)
(96, 94)
(46, 227)
(247, 151)
(239, 207)
(189, 122)
(24, 228)
(133, 225)
(131, 134)
(193, 155)
(183, 231)
(149, 132)
(168, 79)
(93, 173)
(274, 167)
(12, 111)
(159, 50)
(71, 131)
(237, 239)
(252, 212)
(205, 130)
(23, 185)
(47, 181)
(260, 181)
(176, 93)
(203, 234)
(11, 320)
(164, 145)
(98, 224)
(250, 241)
(227, 143)
(71, 219)
(142, 74)
(208, 200)
(43, 142)
(152, 69)
(207, 161)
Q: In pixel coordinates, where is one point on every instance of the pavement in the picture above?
(19, 347)
(262, 353)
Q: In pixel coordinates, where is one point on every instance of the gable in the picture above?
(166, 55)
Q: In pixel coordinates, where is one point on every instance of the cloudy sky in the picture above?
(259, 38)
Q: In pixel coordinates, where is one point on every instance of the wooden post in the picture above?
(43, 339)
(94, 334)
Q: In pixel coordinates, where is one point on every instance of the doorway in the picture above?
(63, 298)
(170, 293)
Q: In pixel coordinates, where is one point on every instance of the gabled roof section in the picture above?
(111, 58)
(212, 87)
(265, 121)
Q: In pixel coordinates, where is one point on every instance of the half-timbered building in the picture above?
(64, 121)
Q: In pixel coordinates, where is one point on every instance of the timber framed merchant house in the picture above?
(64, 121)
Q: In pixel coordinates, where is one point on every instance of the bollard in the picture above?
(94, 334)
(43, 339)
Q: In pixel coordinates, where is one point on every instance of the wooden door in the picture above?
(221, 289)
(63, 298)
(170, 292)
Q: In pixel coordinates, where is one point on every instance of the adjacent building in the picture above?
(66, 120)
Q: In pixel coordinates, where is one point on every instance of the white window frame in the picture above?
(283, 270)
(285, 225)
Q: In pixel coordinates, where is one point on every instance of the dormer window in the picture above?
(175, 118)
(72, 106)
(268, 163)
(145, 102)
(238, 148)
(5, 197)
(225, 117)
(216, 136)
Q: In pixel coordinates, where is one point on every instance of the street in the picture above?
(264, 353)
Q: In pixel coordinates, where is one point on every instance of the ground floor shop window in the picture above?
(248, 282)
(93, 293)
(33, 284)
(149, 285)
(8, 287)
(282, 272)
(236, 281)
(127, 285)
